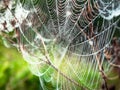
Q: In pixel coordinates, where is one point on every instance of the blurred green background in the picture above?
(14, 71)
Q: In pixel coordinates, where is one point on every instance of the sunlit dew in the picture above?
(62, 40)
(7, 17)
(113, 9)
(20, 13)
(68, 13)
(90, 42)
(111, 13)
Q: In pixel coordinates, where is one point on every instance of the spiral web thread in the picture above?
(63, 40)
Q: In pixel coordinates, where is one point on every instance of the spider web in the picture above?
(63, 40)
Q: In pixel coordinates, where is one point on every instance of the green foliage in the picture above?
(14, 73)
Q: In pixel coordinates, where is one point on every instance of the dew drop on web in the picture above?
(112, 9)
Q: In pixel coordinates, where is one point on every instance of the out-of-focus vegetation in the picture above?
(14, 71)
